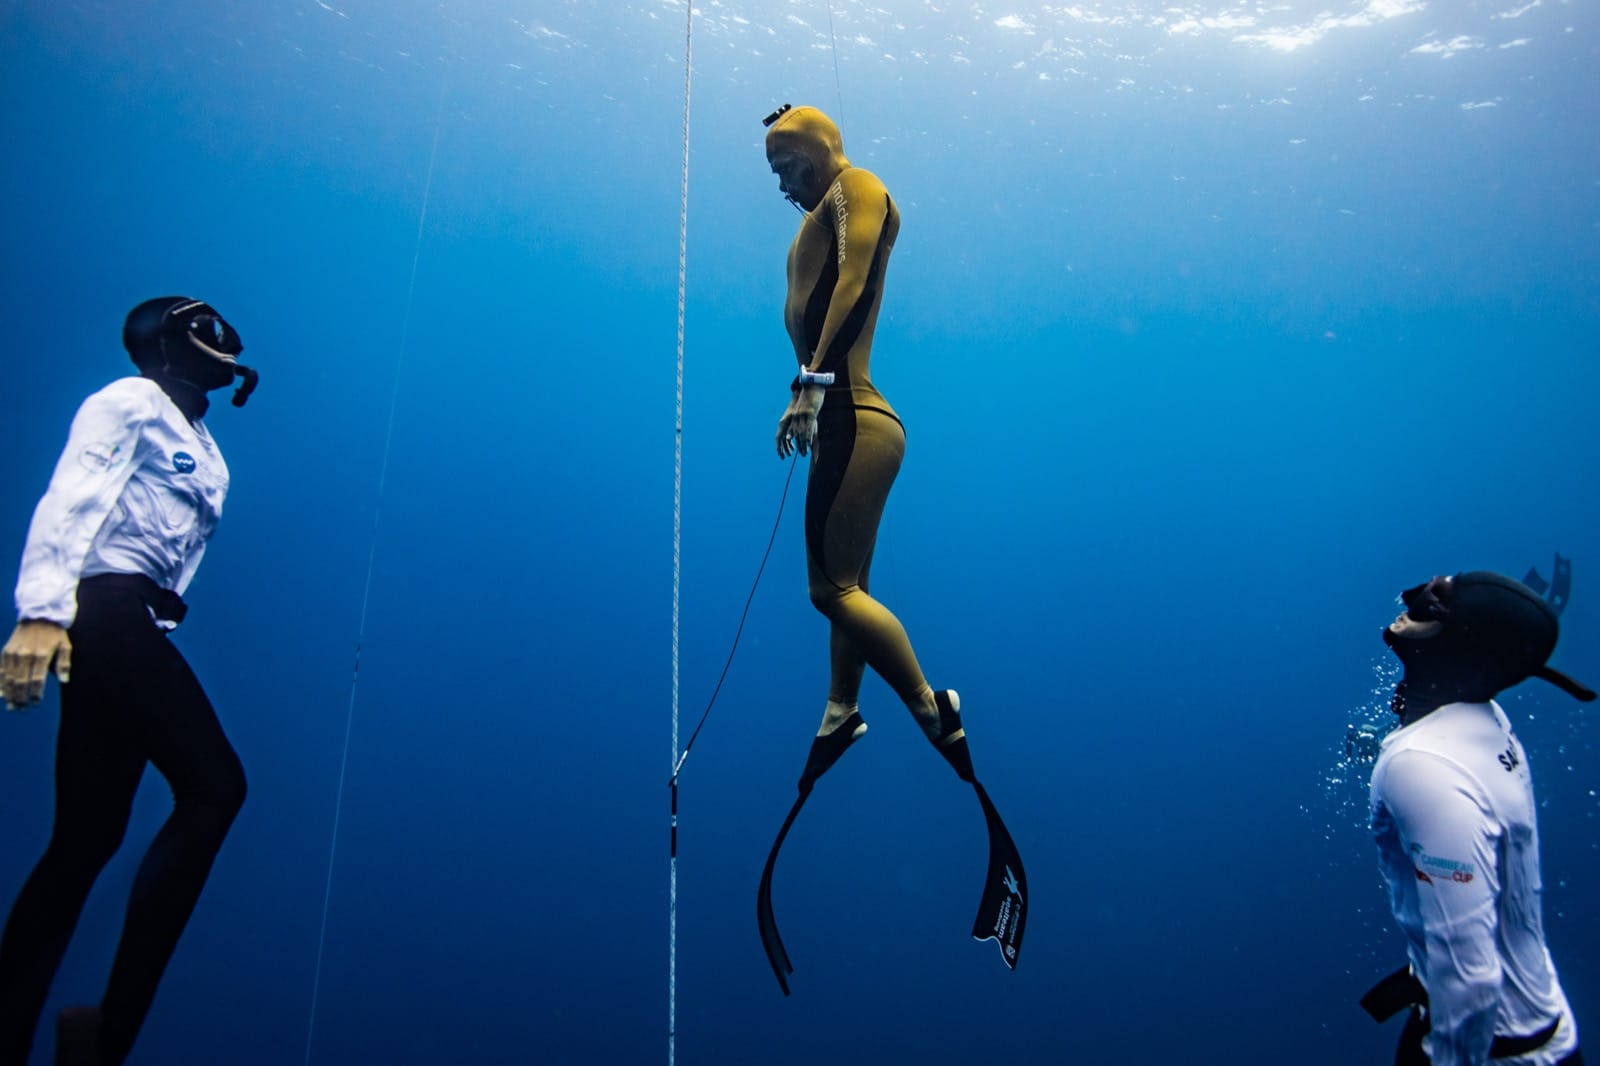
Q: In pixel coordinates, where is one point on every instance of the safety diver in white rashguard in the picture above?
(1454, 819)
(112, 547)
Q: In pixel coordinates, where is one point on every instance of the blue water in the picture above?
(1212, 329)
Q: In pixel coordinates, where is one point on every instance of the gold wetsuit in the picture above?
(836, 272)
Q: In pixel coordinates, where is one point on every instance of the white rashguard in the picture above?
(138, 490)
(1454, 819)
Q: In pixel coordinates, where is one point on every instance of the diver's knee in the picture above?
(83, 853)
(220, 795)
(828, 598)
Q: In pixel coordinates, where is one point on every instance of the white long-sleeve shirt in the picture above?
(138, 490)
(1458, 840)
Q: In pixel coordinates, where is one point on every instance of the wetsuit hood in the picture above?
(1472, 636)
(181, 342)
(808, 133)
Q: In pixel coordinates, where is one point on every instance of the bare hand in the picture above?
(797, 429)
(26, 661)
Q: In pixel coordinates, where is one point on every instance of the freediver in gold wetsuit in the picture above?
(836, 273)
(836, 270)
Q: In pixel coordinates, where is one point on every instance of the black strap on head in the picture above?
(144, 330)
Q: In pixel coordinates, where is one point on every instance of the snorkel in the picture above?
(247, 386)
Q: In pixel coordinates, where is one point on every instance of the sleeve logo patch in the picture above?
(183, 462)
(1431, 867)
(102, 458)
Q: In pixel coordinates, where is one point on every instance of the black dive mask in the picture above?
(1489, 633)
(187, 341)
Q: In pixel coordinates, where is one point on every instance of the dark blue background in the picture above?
(1205, 349)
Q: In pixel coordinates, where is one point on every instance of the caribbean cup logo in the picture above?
(1434, 869)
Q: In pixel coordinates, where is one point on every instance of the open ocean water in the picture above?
(1212, 328)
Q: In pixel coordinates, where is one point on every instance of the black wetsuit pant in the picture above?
(132, 700)
(1410, 1052)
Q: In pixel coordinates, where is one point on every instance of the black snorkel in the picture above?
(247, 386)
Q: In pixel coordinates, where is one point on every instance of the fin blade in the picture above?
(1002, 912)
(766, 922)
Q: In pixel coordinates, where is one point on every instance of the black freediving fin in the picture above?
(770, 940)
(825, 751)
(1002, 912)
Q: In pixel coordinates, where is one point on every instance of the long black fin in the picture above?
(770, 940)
(1002, 913)
(825, 751)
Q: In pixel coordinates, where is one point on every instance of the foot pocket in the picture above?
(952, 741)
(826, 750)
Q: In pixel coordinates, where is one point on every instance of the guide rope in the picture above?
(372, 555)
(679, 757)
(677, 543)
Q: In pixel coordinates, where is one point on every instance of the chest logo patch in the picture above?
(183, 462)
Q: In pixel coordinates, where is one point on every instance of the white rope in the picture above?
(677, 546)
(834, 46)
(372, 556)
